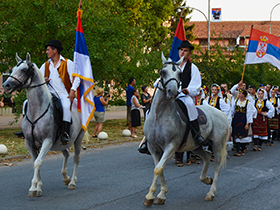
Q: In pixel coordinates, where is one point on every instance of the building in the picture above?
(236, 32)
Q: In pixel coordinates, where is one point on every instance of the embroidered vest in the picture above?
(217, 105)
(264, 108)
(63, 73)
(240, 108)
(186, 77)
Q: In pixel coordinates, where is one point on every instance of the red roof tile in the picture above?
(232, 29)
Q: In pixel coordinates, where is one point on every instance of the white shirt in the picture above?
(56, 81)
(250, 109)
(195, 81)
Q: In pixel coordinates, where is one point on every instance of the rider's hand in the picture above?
(71, 96)
(47, 80)
(185, 91)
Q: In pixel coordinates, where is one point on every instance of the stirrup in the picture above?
(64, 139)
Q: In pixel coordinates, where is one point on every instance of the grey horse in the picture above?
(164, 130)
(39, 125)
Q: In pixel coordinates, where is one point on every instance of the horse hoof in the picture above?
(39, 193)
(71, 187)
(32, 194)
(159, 201)
(209, 197)
(148, 202)
(66, 181)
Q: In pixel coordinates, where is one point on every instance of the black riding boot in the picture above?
(144, 148)
(196, 133)
(19, 134)
(65, 133)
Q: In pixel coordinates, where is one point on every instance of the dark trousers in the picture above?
(258, 142)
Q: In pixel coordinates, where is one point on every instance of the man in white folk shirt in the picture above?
(58, 73)
(189, 88)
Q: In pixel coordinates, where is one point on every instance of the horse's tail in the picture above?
(224, 150)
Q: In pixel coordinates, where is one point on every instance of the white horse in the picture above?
(165, 129)
(39, 124)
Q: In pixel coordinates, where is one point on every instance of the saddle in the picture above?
(182, 110)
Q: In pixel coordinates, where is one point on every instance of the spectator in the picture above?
(99, 113)
(135, 112)
(129, 90)
(146, 100)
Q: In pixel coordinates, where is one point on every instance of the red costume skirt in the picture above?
(274, 122)
(260, 126)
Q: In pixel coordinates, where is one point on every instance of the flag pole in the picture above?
(243, 72)
(80, 4)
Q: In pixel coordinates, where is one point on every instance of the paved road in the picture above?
(118, 178)
(5, 120)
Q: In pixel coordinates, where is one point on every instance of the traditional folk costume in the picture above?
(274, 121)
(242, 112)
(220, 104)
(260, 124)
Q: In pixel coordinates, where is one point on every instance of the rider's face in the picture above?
(50, 52)
(186, 52)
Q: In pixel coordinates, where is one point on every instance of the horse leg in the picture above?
(205, 155)
(77, 146)
(217, 169)
(36, 183)
(34, 153)
(158, 173)
(66, 178)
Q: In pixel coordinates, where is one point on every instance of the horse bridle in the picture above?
(29, 74)
(169, 80)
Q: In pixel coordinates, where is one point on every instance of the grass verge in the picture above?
(17, 150)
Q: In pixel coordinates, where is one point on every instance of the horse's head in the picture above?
(20, 76)
(170, 77)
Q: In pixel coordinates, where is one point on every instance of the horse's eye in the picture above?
(162, 73)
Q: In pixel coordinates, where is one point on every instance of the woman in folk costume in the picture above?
(242, 111)
(200, 98)
(216, 100)
(265, 110)
(274, 121)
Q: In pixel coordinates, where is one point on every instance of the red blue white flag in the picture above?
(263, 48)
(83, 70)
(179, 37)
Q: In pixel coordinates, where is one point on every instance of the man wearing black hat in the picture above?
(190, 87)
(58, 72)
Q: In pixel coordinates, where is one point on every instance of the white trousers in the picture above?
(65, 105)
(189, 103)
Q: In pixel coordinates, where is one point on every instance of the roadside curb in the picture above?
(18, 158)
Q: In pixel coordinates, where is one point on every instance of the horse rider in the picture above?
(189, 88)
(57, 72)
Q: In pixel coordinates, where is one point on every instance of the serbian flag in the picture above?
(263, 48)
(82, 69)
(179, 37)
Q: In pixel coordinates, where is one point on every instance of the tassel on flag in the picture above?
(179, 37)
(83, 70)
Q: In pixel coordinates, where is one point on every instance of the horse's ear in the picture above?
(28, 58)
(180, 61)
(163, 58)
(18, 59)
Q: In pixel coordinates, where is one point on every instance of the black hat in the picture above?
(55, 43)
(185, 44)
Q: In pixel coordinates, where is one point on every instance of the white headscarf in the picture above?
(219, 89)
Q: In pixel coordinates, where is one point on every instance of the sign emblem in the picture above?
(262, 46)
